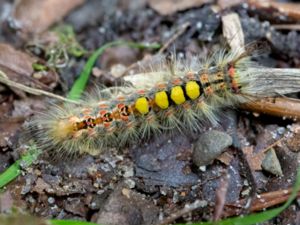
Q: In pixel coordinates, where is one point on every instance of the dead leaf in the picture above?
(75, 206)
(168, 7)
(233, 32)
(17, 65)
(254, 159)
(229, 3)
(16, 61)
(35, 16)
(226, 158)
(40, 186)
(290, 9)
(293, 142)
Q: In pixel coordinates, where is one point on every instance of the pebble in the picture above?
(126, 207)
(129, 172)
(130, 183)
(51, 200)
(293, 142)
(209, 146)
(271, 163)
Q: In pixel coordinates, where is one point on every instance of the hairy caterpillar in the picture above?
(180, 94)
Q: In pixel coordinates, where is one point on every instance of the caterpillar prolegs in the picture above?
(176, 96)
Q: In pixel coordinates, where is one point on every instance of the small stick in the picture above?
(264, 201)
(187, 209)
(221, 197)
(286, 26)
(5, 80)
(181, 30)
(278, 106)
(271, 146)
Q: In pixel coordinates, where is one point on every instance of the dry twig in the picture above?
(281, 107)
(187, 209)
(5, 80)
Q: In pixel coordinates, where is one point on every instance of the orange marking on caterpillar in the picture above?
(177, 81)
(103, 112)
(103, 106)
(222, 86)
(120, 105)
(90, 122)
(231, 71)
(106, 118)
(161, 86)
(98, 120)
(141, 92)
(186, 105)
(234, 84)
(123, 111)
(106, 125)
(81, 125)
(204, 78)
(121, 98)
(219, 76)
(115, 115)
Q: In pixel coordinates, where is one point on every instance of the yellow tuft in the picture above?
(177, 95)
(142, 105)
(62, 129)
(161, 100)
(192, 89)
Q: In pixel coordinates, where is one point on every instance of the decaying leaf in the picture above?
(254, 159)
(168, 7)
(17, 65)
(35, 16)
(229, 3)
(289, 9)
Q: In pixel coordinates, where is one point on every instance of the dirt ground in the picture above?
(249, 158)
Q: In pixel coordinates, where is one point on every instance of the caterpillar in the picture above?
(177, 94)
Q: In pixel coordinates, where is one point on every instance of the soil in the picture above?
(151, 182)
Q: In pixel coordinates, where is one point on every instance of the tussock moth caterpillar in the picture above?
(176, 94)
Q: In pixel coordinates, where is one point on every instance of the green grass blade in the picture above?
(70, 222)
(15, 169)
(10, 174)
(258, 217)
(80, 83)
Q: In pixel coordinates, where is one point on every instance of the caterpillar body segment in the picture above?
(181, 96)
